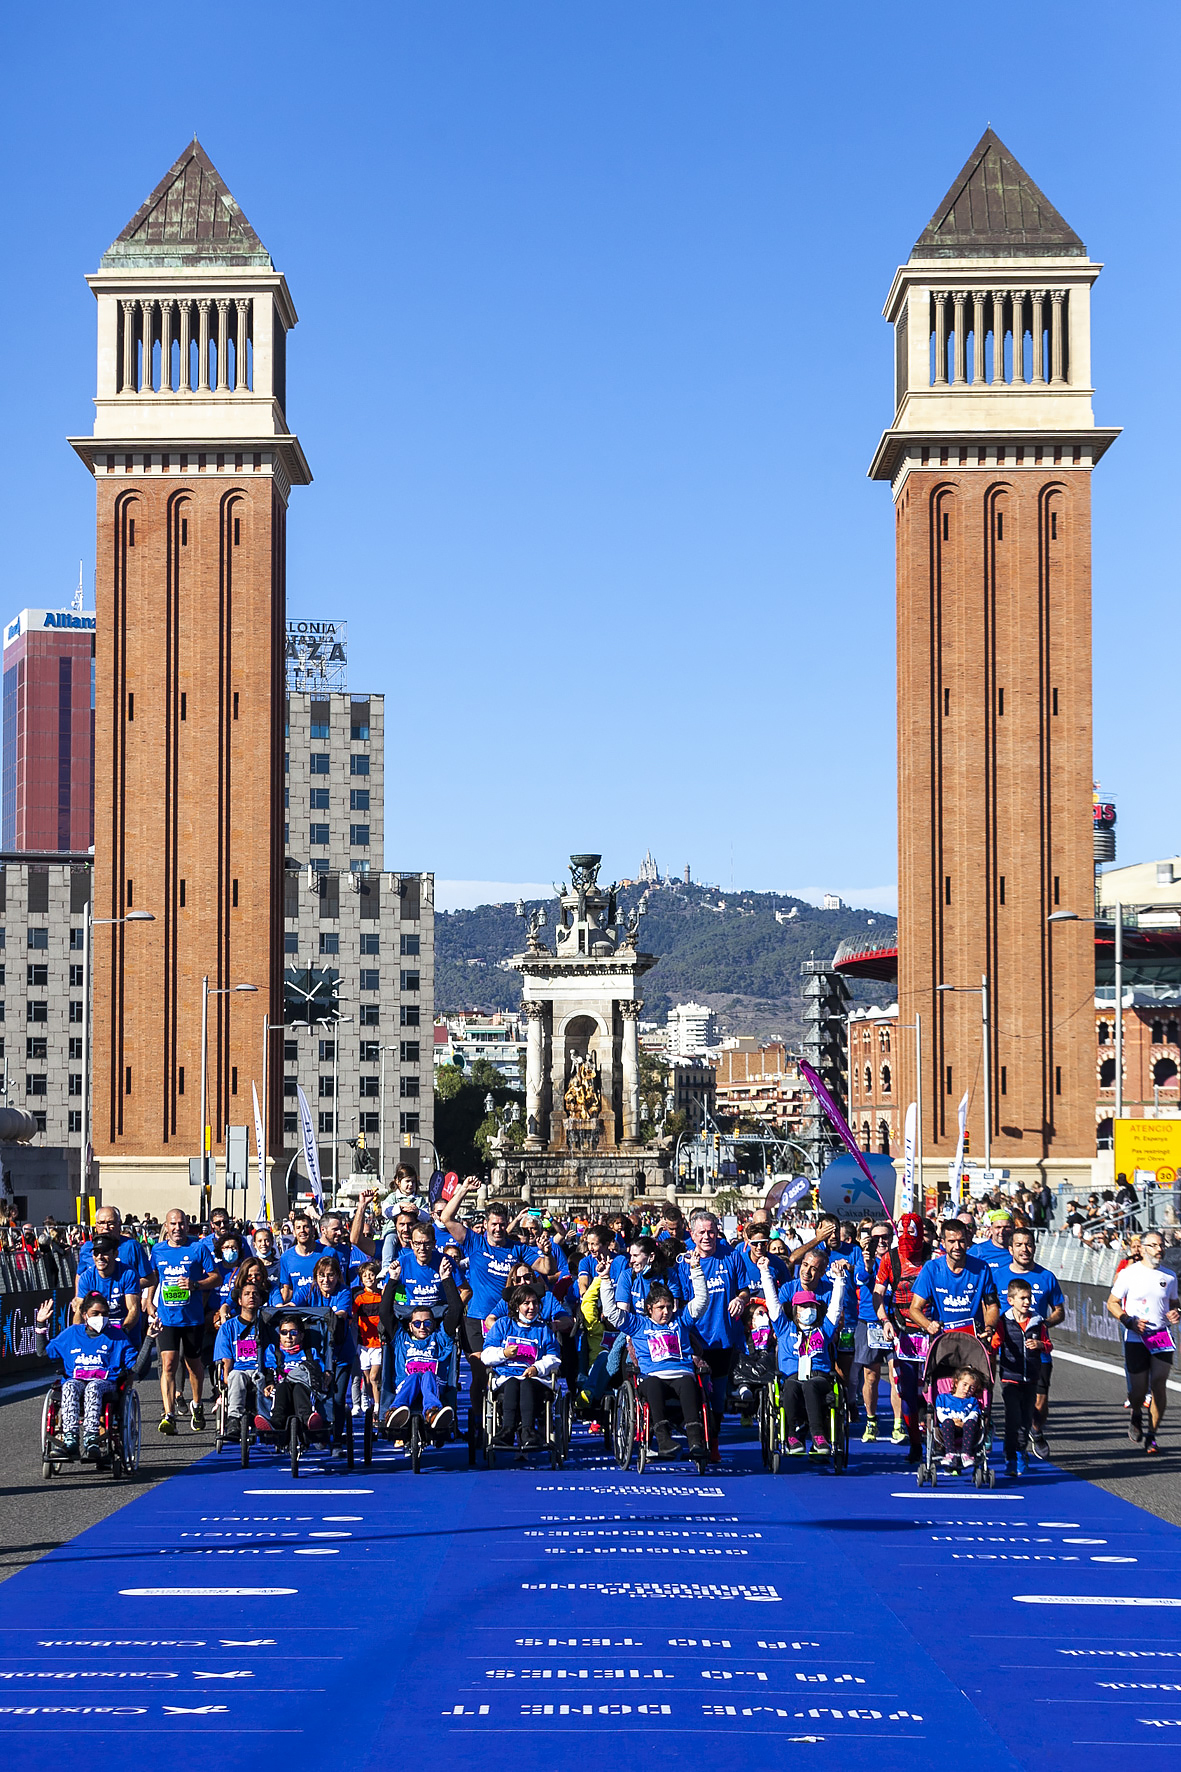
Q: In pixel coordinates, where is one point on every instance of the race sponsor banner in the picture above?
(311, 1155)
(842, 1129)
(957, 1179)
(264, 1212)
(910, 1141)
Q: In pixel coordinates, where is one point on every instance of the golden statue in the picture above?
(583, 1099)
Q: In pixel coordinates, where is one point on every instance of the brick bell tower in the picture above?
(989, 460)
(193, 463)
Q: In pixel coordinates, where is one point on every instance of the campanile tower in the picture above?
(989, 460)
(193, 463)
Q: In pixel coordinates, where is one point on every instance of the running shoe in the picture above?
(820, 1446)
(948, 1461)
(261, 1425)
(397, 1419)
(167, 1425)
(795, 1448)
(90, 1451)
(967, 1463)
(233, 1428)
(442, 1420)
(65, 1448)
(898, 1437)
(316, 1422)
(196, 1417)
(870, 1434)
(1135, 1427)
(1039, 1445)
(715, 1455)
(1150, 1445)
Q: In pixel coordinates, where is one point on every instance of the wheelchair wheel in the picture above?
(367, 1439)
(489, 1430)
(49, 1408)
(623, 1423)
(416, 1443)
(838, 1431)
(132, 1427)
(349, 1445)
(774, 1430)
(563, 1426)
(244, 1440)
(643, 1450)
(553, 1434)
(293, 1445)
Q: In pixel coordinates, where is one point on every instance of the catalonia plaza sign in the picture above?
(317, 655)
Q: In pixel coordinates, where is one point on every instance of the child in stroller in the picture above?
(957, 1403)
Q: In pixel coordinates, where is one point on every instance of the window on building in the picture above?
(885, 1079)
(358, 765)
(358, 799)
(291, 942)
(408, 1088)
(77, 977)
(38, 938)
(37, 1047)
(290, 1124)
(321, 720)
(1164, 1073)
(408, 1122)
(76, 1015)
(369, 1051)
(318, 763)
(37, 1012)
(1107, 1074)
(948, 1080)
(318, 799)
(180, 1080)
(370, 944)
(409, 1051)
(358, 836)
(75, 1047)
(408, 945)
(367, 1088)
(410, 980)
(329, 941)
(75, 1083)
(1104, 1033)
(869, 1079)
(370, 1125)
(74, 1120)
(38, 977)
(408, 1015)
(1158, 1033)
(327, 1124)
(41, 1120)
(865, 1145)
(327, 1088)
(370, 979)
(35, 1083)
(369, 1015)
(359, 722)
(291, 1088)
(1171, 1033)
(883, 1138)
(318, 836)
(77, 940)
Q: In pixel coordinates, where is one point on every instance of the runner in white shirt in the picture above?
(1144, 1299)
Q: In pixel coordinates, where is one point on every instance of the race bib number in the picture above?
(521, 1350)
(246, 1350)
(87, 1373)
(1159, 1341)
(664, 1346)
(421, 1366)
(911, 1346)
(877, 1336)
(173, 1292)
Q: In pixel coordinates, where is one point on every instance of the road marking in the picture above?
(1089, 1600)
(974, 1498)
(166, 1593)
(1105, 1366)
(294, 1494)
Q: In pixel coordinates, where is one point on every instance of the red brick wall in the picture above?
(186, 791)
(999, 603)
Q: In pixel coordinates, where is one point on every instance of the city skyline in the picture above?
(674, 439)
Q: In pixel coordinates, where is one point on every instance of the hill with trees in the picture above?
(727, 950)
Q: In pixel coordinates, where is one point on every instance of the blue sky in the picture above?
(589, 370)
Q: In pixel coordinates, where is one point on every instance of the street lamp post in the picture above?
(206, 1131)
(336, 1025)
(88, 925)
(968, 990)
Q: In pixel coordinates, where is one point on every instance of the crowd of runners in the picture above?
(700, 1324)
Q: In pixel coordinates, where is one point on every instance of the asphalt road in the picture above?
(1088, 1436)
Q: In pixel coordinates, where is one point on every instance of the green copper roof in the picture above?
(994, 210)
(189, 220)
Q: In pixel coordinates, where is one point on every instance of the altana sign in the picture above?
(317, 655)
(35, 621)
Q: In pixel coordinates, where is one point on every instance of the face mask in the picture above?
(96, 1324)
(229, 1253)
(807, 1317)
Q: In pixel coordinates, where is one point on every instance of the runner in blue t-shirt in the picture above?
(954, 1290)
(118, 1283)
(490, 1255)
(993, 1250)
(1049, 1303)
(182, 1272)
(720, 1324)
(132, 1253)
(299, 1262)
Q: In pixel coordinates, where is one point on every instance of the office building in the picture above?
(44, 901)
(334, 785)
(989, 461)
(48, 710)
(692, 1031)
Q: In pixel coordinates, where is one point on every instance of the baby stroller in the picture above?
(956, 1350)
(319, 1343)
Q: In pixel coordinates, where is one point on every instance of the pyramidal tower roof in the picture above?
(994, 210)
(189, 220)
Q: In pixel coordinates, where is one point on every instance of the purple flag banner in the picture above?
(842, 1129)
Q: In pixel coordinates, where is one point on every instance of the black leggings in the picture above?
(654, 1391)
(290, 1399)
(1019, 1400)
(805, 1396)
(521, 1399)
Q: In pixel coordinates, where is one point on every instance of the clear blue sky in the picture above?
(589, 370)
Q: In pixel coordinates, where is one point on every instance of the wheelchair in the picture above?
(555, 1423)
(631, 1425)
(774, 1426)
(296, 1441)
(120, 1431)
(247, 1433)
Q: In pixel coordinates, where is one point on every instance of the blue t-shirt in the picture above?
(115, 1289)
(180, 1304)
(294, 1267)
(434, 1353)
(639, 1286)
(1047, 1293)
(958, 1299)
(131, 1254)
(237, 1340)
(821, 1289)
(525, 1343)
(994, 1256)
(723, 1282)
(661, 1348)
(788, 1341)
(420, 1283)
(548, 1309)
(488, 1269)
(308, 1296)
(85, 1356)
(751, 1276)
